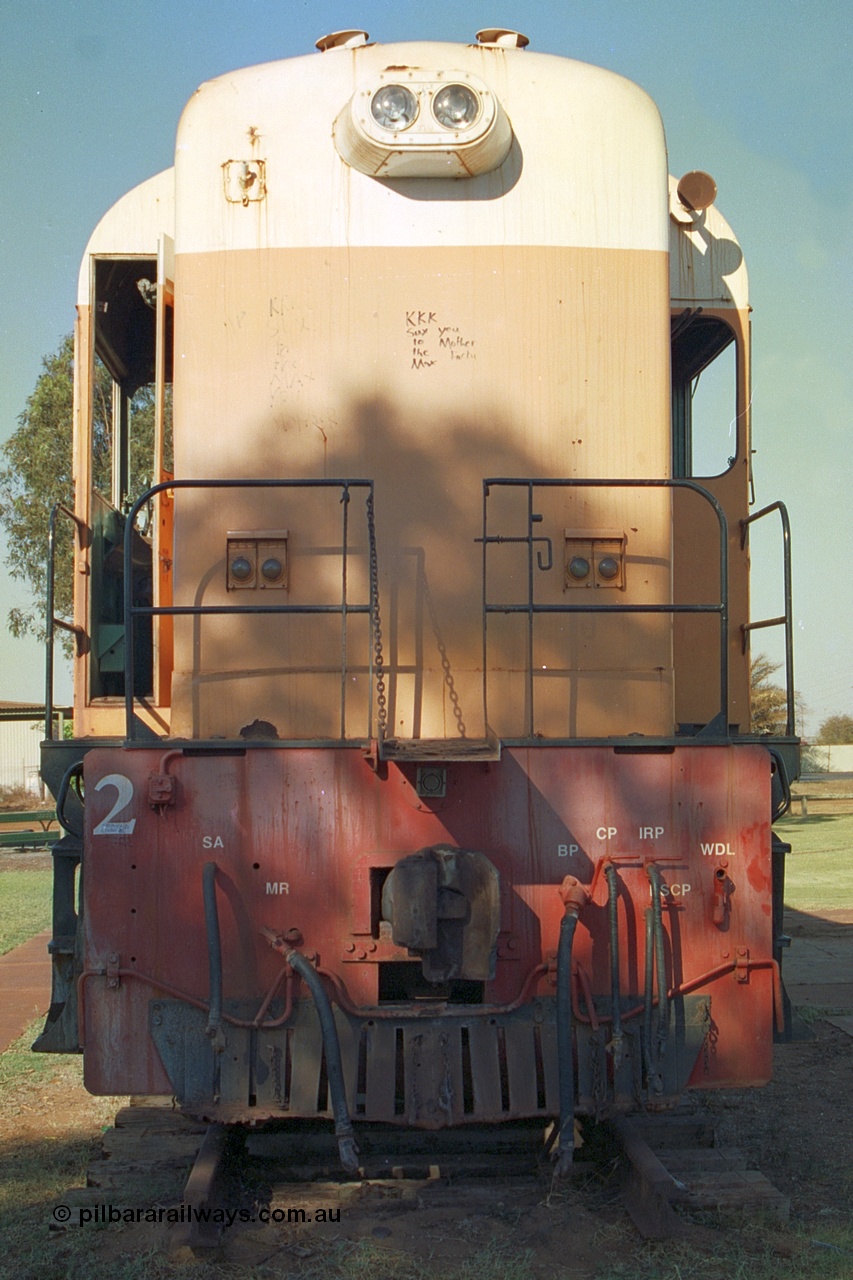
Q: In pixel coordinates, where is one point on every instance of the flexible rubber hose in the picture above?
(652, 1074)
(214, 948)
(615, 992)
(565, 1049)
(334, 1068)
(660, 957)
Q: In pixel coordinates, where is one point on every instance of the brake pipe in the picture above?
(652, 1075)
(347, 1148)
(342, 998)
(344, 1001)
(340, 995)
(660, 957)
(685, 989)
(615, 991)
(214, 953)
(574, 896)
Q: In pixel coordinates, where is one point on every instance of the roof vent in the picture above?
(502, 38)
(342, 40)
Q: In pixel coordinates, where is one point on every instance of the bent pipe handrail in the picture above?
(787, 619)
(531, 609)
(51, 621)
(131, 610)
(74, 770)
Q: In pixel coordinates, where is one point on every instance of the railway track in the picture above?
(208, 1180)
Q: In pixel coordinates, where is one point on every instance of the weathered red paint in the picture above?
(295, 833)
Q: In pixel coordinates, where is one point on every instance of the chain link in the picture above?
(378, 660)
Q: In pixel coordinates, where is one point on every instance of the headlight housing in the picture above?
(410, 122)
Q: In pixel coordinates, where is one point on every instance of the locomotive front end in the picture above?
(414, 725)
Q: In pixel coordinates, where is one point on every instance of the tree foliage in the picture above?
(835, 731)
(768, 703)
(36, 472)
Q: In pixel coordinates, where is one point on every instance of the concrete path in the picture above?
(818, 965)
(24, 987)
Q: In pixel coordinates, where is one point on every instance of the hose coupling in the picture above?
(574, 895)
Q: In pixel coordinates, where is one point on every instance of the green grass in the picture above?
(34, 1171)
(25, 906)
(818, 868)
(748, 1254)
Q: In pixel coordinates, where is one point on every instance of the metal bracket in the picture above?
(162, 790)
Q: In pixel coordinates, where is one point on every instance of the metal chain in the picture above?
(378, 660)
(445, 660)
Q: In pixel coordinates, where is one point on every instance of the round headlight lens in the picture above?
(456, 107)
(241, 569)
(608, 567)
(272, 569)
(579, 567)
(394, 107)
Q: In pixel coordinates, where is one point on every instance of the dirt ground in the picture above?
(798, 1131)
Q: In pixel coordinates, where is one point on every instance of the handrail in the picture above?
(531, 608)
(344, 609)
(787, 619)
(51, 621)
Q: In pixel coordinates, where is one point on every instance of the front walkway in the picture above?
(24, 987)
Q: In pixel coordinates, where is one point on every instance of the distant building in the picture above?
(21, 732)
(835, 759)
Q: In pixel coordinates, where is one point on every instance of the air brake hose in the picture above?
(343, 1125)
(615, 991)
(214, 950)
(660, 956)
(575, 896)
(653, 1075)
(565, 1050)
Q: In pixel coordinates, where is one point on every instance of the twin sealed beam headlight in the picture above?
(410, 123)
(394, 108)
(456, 107)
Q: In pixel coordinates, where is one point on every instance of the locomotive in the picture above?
(412, 779)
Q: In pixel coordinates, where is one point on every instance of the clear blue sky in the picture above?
(760, 94)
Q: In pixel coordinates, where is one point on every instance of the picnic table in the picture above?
(47, 832)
